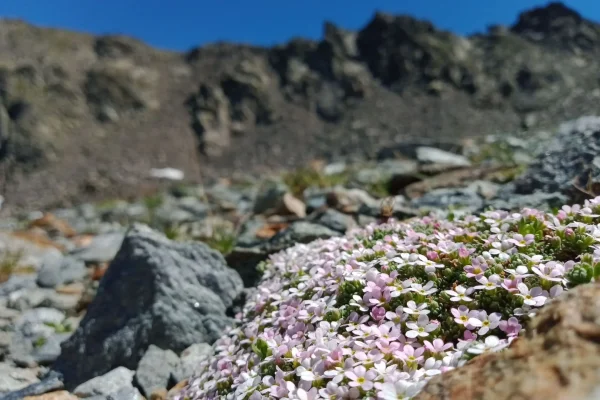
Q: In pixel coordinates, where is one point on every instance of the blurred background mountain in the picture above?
(93, 95)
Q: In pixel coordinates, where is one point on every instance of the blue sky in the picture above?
(182, 24)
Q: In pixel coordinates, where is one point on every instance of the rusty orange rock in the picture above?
(270, 230)
(99, 271)
(50, 223)
(40, 239)
(76, 288)
(82, 240)
(58, 395)
(159, 394)
(175, 389)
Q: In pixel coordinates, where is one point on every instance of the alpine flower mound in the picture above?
(375, 314)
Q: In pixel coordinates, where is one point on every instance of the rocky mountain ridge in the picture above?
(85, 118)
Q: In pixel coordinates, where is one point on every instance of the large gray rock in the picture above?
(573, 156)
(156, 291)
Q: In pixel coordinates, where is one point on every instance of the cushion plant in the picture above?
(374, 314)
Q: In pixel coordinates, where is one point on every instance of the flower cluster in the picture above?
(375, 314)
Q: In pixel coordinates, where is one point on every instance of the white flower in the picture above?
(488, 284)
(421, 328)
(533, 297)
(460, 294)
(423, 290)
(414, 309)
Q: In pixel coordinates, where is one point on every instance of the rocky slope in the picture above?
(84, 118)
(64, 275)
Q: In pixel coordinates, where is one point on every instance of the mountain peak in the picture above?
(560, 26)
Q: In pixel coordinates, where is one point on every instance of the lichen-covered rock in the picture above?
(156, 291)
(378, 312)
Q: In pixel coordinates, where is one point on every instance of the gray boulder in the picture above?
(18, 377)
(61, 270)
(190, 360)
(125, 393)
(155, 369)
(106, 384)
(156, 291)
(103, 248)
(572, 157)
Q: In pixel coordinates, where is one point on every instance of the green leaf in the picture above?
(261, 348)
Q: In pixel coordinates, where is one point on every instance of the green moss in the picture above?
(303, 178)
(348, 289)
(379, 189)
(39, 342)
(107, 204)
(153, 202)
(9, 265)
(172, 233)
(63, 327)
(222, 240)
(500, 152)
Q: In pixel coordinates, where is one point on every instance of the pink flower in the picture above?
(378, 313)
(555, 291)
(476, 269)
(510, 327)
(360, 377)
(511, 284)
(437, 346)
(463, 252)
(410, 355)
(388, 347)
(550, 271)
(309, 370)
